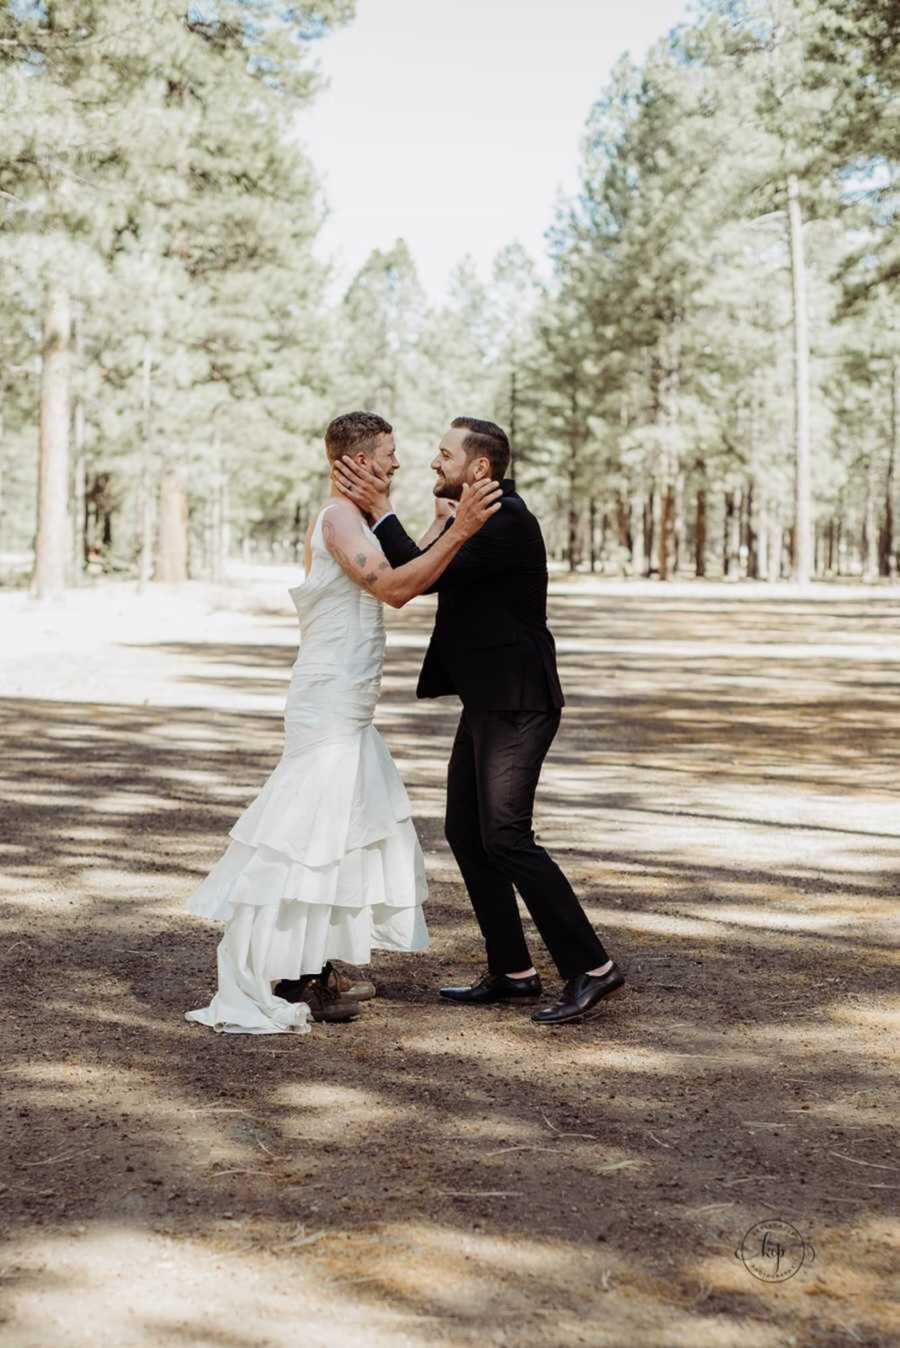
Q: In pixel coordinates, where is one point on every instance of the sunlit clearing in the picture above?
(320, 1111)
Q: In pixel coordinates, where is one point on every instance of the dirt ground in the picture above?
(723, 793)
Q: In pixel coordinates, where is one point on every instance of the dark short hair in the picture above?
(485, 439)
(354, 431)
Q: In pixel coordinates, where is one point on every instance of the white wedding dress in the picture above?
(325, 863)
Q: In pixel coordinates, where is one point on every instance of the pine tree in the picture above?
(163, 150)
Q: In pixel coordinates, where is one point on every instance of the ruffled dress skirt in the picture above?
(324, 864)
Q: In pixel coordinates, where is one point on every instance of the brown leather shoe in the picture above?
(321, 996)
(351, 982)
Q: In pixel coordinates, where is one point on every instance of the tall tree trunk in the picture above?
(576, 442)
(671, 478)
(79, 493)
(52, 546)
(592, 527)
(803, 537)
(679, 527)
(726, 530)
(219, 505)
(79, 468)
(887, 559)
(734, 533)
(638, 523)
(700, 533)
(750, 536)
(894, 561)
(776, 549)
(666, 530)
(572, 547)
(172, 546)
(148, 496)
(651, 526)
(297, 533)
(623, 523)
(870, 525)
(762, 537)
(513, 417)
(2, 483)
(841, 546)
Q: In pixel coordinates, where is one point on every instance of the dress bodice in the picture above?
(337, 675)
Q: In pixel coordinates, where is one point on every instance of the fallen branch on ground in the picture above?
(53, 1160)
(874, 1164)
(524, 1147)
(479, 1193)
(262, 1144)
(559, 1132)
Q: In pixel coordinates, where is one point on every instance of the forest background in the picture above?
(704, 382)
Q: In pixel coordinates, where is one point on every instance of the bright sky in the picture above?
(454, 123)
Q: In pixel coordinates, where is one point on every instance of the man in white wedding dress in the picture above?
(325, 863)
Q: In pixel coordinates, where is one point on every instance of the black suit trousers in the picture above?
(493, 775)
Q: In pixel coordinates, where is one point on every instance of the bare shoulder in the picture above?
(340, 509)
(339, 518)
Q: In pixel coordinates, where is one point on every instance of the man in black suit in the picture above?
(491, 645)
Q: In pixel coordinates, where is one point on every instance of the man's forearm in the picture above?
(396, 543)
(415, 576)
(434, 530)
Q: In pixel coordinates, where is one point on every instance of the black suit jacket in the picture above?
(491, 644)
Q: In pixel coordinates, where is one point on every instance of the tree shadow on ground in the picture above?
(468, 1170)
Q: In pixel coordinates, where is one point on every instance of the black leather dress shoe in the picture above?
(496, 988)
(581, 997)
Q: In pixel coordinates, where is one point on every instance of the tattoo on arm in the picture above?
(344, 562)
